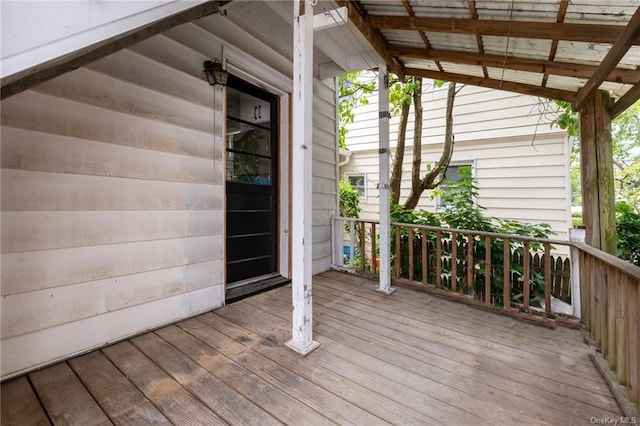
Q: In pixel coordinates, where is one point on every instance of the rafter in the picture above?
(618, 50)
(562, 11)
(526, 89)
(474, 15)
(625, 101)
(594, 33)
(423, 36)
(358, 17)
(618, 75)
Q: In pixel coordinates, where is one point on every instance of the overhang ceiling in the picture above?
(561, 49)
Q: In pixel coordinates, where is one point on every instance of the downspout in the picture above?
(347, 154)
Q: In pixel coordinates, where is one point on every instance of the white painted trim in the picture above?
(302, 180)
(363, 198)
(383, 170)
(91, 36)
(330, 19)
(248, 68)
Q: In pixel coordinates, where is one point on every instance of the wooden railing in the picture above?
(511, 276)
(610, 302)
(458, 262)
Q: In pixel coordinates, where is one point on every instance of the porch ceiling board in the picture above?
(547, 48)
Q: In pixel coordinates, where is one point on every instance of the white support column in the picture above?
(383, 184)
(301, 215)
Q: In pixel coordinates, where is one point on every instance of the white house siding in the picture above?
(112, 202)
(521, 164)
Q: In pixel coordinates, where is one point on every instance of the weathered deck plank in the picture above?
(118, 397)
(174, 401)
(65, 398)
(20, 405)
(270, 398)
(470, 372)
(410, 358)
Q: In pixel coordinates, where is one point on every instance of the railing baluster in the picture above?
(438, 259)
(363, 255)
(352, 244)
(454, 261)
(410, 242)
(506, 273)
(487, 270)
(470, 265)
(374, 255)
(612, 316)
(621, 329)
(398, 254)
(425, 277)
(633, 341)
(526, 285)
(547, 279)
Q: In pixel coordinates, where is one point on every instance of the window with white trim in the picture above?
(452, 175)
(358, 181)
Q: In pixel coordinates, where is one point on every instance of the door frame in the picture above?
(255, 72)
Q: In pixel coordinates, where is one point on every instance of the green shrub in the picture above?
(349, 200)
(628, 227)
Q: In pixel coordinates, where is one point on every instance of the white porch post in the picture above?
(383, 185)
(301, 214)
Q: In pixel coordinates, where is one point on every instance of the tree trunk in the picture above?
(439, 170)
(396, 168)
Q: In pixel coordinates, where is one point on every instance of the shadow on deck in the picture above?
(409, 358)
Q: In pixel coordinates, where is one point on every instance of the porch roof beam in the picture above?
(627, 38)
(617, 75)
(625, 101)
(594, 33)
(525, 89)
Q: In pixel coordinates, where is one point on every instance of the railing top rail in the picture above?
(465, 231)
(626, 267)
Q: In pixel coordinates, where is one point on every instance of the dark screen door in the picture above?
(251, 182)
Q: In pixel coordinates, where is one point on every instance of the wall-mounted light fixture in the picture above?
(215, 73)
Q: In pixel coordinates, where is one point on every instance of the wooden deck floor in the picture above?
(409, 358)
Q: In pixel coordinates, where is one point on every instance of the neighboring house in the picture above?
(520, 162)
(116, 214)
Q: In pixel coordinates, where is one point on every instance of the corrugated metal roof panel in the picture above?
(420, 63)
(388, 7)
(631, 59)
(455, 42)
(441, 8)
(520, 47)
(404, 38)
(532, 78)
(565, 83)
(580, 52)
(541, 10)
(610, 12)
(473, 70)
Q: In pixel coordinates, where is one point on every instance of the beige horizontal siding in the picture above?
(478, 114)
(517, 180)
(113, 195)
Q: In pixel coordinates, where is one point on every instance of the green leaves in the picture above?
(349, 200)
(352, 90)
(565, 118)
